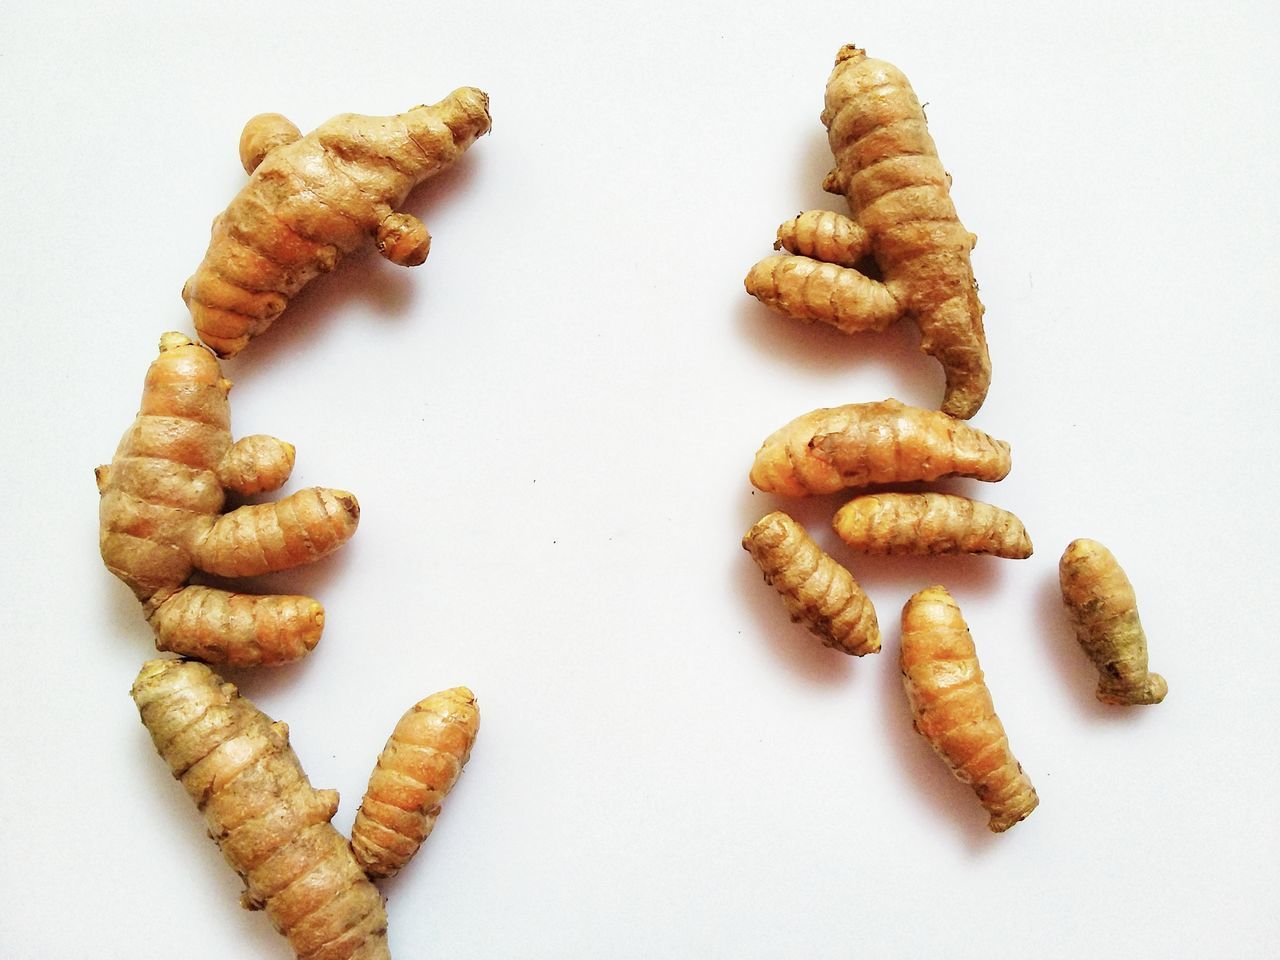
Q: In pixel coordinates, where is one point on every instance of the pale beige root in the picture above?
(888, 169)
(953, 709)
(236, 629)
(809, 290)
(824, 235)
(311, 200)
(865, 443)
(160, 514)
(256, 464)
(1104, 612)
(930, 524)
(272, 827)
(817, 591)
(416, 770)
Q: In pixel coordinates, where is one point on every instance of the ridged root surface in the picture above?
(887, 167)
(817, 591)
(267, 537)
(865, 443)
(953, 709)
(415, 771)
(1104, 612)
(930, 524)
(313, 199)
(270, 824)
(161, 519)
(810, 290)
(824, 235)
(237, 629)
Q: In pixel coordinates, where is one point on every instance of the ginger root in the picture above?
(416, 770)
(311, 200)
(930, 524)
(161, 519)
(953, 708)
(888, 169)
(865, 443)
(817, 591)
(1104, 612)
(270, 824)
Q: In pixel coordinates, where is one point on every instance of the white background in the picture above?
(549, 427)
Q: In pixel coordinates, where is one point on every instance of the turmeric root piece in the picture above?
(817, 591)
(864, 443)
(161, 519)
(236, 629)
(888, 169)
(261, 135)
(808, 290)
(825, 235)
(311, 200)
(270, 824)
(416, 770)
(930, 524)
(953, 708)
(1104, 612)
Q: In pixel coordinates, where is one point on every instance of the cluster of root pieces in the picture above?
(904, 228)
(904, 222)
(863, 444)
(164, 524)
(161, 519)
(270, 824)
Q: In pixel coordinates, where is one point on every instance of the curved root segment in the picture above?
(930, 524)
(809, 290)
(817, 591)
(161, 519)
(888, 169)
(311, 200)
(416, 770)
(1104, 612)
(824, 235)
(865, 443)
(953, 709)
(271, 825)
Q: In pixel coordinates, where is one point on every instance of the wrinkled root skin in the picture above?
(953, 710)
(887, 168)
(420, 764)
(1103, 611)
(817, 591)
(270, 824)
(859, 444)
(161, 519)
(312, 200)
(930, 524)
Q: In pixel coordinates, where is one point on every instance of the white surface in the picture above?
(549, 427)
